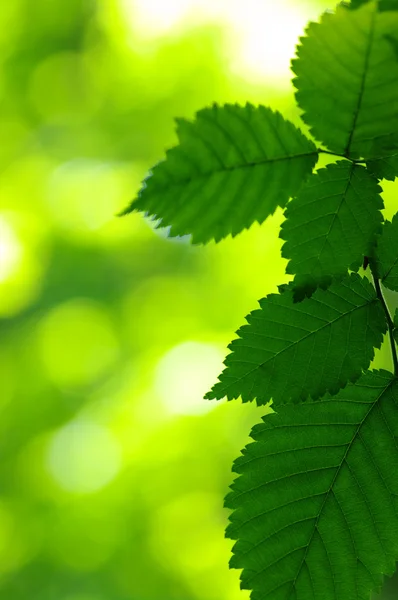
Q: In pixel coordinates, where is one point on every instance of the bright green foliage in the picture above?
(324, 238)
(386, 254)
(234, 165)
(315, 506)
(346, 82)
(290, 351)
(316, 502)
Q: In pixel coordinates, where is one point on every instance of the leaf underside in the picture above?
(386, 254)
(331, 225)
(234, 165)
(346, 80)
(315, 506)
(290, 351)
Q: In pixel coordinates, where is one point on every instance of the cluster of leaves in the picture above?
(315, 505)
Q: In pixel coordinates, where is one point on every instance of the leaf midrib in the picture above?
(329, 323)
(338, 471)
(387, 274)
(263, 161)
(336, 214)
(363, 81)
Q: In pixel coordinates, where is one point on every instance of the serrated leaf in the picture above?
(384, 168)
(346, 82)
(234, 166)
(315, 506)
(290, 351)
(386, 254)
(395, 330)
(331, 224)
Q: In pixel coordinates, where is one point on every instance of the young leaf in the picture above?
(289, 351)
(316, 501)
(331, 225)
(386, 254)
(234, 165)
(346, 82)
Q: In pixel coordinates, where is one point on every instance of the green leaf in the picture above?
(289, 351)
(354, 4)
(395, 330)
(383, 5)
(388, 5)
(394, 42)
(386, 254)
(331, 225)
(315, 506)
(384, 168)
(234, 165)
(346, 82)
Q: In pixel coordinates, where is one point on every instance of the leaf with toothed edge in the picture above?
(234, 166)
(395, 330)
(331, 225)
(290, 351)
(384, 168)
(346, 79)
(386, 254)
(315, 504)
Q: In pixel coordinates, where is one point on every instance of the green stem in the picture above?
(390, 322)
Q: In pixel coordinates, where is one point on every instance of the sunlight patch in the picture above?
(184, 374)
(83, 457)
(10, 250)
(261, 35)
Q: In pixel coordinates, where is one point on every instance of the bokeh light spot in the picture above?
(77, 343)
(158, 16)
(262, 35)
(187, 536)
(84, 194)
(185, 373)
(10, 250)
(268, 32)
(22, 259)
(83, 457)
(61, 88)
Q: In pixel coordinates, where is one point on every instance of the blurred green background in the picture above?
(113, 468)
